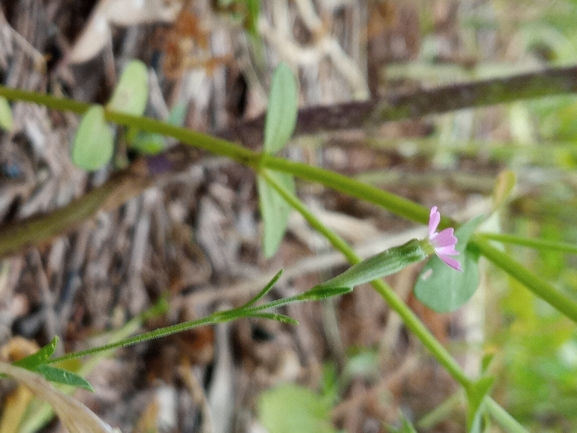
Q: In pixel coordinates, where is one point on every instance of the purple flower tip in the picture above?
(443, 242)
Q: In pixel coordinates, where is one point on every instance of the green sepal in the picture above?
(380, 265)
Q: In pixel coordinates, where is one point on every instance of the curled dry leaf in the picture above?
(76, 417)
(123, 13)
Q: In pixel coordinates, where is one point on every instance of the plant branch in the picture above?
(415, 104)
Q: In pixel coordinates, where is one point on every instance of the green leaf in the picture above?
(503, 187)
(476, 393)
(131, 92)
(66, 377)
(93, 145)
(443, 289)
(281, 114)
(30, 362)
(265, 290)
(274, 210)
(6, 120)
(294, 409)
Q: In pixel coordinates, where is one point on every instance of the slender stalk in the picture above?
(400, 307)
(389, 201)
(502, 417)
(146, 336)
(539, 244)
(387, 293)
(532, 281)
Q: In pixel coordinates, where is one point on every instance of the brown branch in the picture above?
(415, 104)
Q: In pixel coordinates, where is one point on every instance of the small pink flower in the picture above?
(443, 242)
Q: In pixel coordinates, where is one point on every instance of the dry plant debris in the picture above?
(195, 234)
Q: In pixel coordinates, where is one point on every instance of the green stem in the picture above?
(502, 417)
(409, 318)
(540, 244)
(146, 336)
(391, 202)
(532, 281)
(387, 293)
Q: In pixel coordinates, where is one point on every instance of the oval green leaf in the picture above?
(274, 210)
(6, 120)
(93, 144)
(443, 289)
(131, 92)
(281, 114)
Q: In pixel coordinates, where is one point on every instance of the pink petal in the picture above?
(445, 238)
(434, 219)
(449, 250)
(454, 263)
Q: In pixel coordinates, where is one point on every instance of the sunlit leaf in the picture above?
(294, 409)
(6, 120)
(439, 286)
(131, 92)
(281, 114)
(93, 145)
(274, 211)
